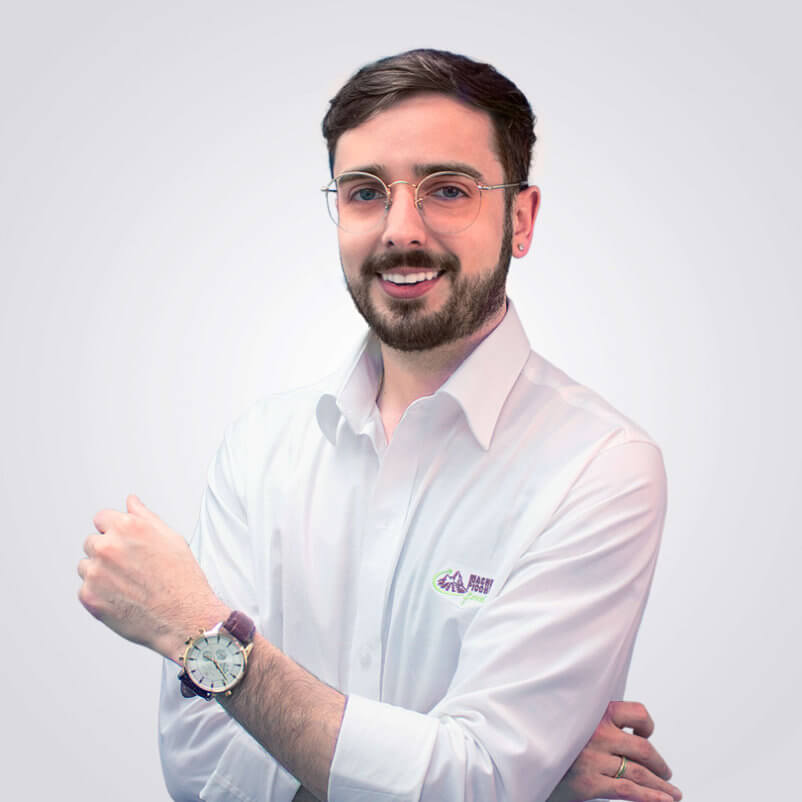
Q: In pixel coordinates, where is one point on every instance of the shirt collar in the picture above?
(480, 385)
(351, 393)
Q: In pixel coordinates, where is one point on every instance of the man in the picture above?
(429, 570)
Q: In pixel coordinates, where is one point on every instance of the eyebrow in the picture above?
(422, 170)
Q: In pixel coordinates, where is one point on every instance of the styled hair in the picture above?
(385, 82)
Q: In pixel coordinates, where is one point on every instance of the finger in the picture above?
(626, 789)
(643, 752)
(631, 714)
(135, 506)
(83, 565)
(90, 545)
(640, 776)
(105, 519)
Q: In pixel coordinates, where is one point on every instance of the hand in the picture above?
(593, 773)
(142, 581)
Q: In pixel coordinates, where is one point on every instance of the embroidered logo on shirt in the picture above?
(451, 583)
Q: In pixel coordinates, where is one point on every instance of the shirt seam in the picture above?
(229, 787)
(559, 503)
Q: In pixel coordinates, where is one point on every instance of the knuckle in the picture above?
(135, 527)
(585, 787)
(642, 751)
(636, 773)
(107, 549)
(626, 789)
(651, 758)
(100, 546)
(86, 597)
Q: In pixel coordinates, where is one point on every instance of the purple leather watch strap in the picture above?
(240, 626)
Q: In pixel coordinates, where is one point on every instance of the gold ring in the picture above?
(622, 768)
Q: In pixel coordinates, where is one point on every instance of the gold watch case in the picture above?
(215, 661)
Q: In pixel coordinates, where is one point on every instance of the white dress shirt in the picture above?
(475, 587)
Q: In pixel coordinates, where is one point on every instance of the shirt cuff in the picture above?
(382, 752)
(247, 773)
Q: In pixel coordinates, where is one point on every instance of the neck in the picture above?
(409, 375)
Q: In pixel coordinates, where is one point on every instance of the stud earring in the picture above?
(520, 247)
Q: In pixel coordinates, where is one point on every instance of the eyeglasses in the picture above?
(448, 202)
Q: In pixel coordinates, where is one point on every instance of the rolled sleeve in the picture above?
(382, 752)
(539, 662)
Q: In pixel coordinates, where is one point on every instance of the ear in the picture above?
(524, 213)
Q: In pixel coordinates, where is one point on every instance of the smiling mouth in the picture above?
(418, 276)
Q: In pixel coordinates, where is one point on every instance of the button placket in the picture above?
(383, 528)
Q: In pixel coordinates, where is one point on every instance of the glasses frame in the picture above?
(332, 187)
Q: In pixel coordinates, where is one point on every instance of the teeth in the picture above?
(409, 278)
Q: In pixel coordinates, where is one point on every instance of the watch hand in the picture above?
(225, 676)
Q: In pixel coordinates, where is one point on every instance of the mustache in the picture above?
(383, 262)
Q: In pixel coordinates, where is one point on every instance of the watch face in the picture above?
(215, 662)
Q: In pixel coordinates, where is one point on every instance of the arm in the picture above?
(592, 774)
(539, 662)
(204, 752)
(537, 668)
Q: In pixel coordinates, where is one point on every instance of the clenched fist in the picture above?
(141, 580)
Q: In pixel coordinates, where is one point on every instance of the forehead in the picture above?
(422, 129)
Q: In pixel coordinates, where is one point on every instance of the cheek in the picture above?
(476, 252)
(354, 250)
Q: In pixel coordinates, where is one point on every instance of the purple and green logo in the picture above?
(451, 583)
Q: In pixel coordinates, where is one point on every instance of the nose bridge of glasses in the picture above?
(413, 189)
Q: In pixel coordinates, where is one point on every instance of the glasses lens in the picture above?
(359, 203)
(449, 201)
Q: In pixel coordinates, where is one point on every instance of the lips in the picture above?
(409, 276)
(408, 282)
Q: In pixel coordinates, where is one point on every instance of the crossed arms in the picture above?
(142, 581)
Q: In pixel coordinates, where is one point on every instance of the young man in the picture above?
(429, 570)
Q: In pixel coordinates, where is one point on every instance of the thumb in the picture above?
(135, 506)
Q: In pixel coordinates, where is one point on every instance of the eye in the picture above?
(365, 194)
(360, 190)
(448, 192)
(448, 189)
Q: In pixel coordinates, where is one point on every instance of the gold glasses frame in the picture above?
(331, 187)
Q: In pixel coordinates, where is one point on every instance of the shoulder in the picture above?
(566, 404)
(560, 435)
(276, 421)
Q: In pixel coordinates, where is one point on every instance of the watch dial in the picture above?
(215, 662)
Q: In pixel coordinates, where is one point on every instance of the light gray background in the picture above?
(166, 260)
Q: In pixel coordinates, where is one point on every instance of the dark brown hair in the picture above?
(385, 82)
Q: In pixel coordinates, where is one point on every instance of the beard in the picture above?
(406, 326)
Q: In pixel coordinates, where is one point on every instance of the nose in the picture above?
(403, 225)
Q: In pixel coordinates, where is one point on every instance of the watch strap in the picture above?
(240, 626)
(190, 689)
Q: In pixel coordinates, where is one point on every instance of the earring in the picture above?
(520, 247)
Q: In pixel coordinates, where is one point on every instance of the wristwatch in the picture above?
(215, 661)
